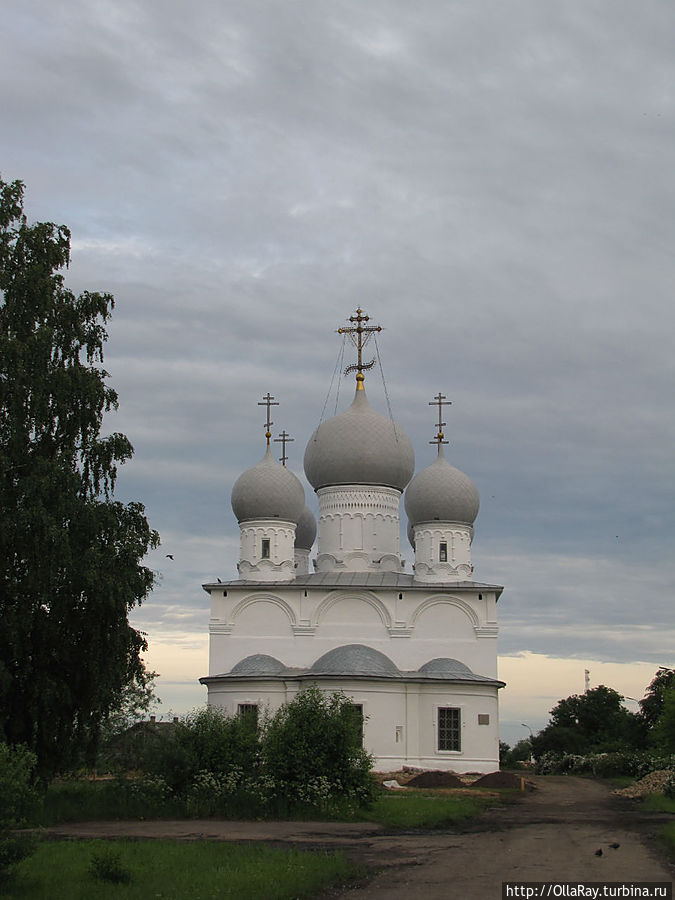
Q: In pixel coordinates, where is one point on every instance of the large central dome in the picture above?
(360, 446)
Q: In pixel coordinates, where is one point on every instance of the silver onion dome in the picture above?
(359, 446)
(441, 493)
(268, 490)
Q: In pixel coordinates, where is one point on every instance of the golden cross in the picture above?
(440, 401)
(268, 401)
(285, 439)
(359, 335)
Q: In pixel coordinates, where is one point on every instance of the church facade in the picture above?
(416, 653)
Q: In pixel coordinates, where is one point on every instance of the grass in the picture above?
(197, 870)
(620, 781)
(658, 803)
(426, 809)
(666, 840)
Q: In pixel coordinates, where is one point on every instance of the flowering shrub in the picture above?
(602, 765)
(313, 747)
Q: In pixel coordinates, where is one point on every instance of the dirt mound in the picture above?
(435, 779)
(501, 780)
(653, 783)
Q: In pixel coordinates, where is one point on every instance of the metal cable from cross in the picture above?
(285, 439)
(359, 335)
(268, 401)
(440, 401)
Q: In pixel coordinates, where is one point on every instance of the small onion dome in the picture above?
(441, 493)
(359, 446)
(268, 491)
(355, 659)
(305, 533)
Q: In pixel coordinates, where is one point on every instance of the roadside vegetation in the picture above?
(594, 734)
(180, 871)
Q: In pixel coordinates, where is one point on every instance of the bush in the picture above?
(106, 865)
(313, 748)
(308, 755)
(204, 741)
(18, 796)
(635, 763)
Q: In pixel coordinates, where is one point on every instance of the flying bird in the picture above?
(169, 556)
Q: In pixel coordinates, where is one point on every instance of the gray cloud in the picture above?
(492, 182)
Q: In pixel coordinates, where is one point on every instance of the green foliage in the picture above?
(183, 870)
(309, 755)
(204, 741)
(18, 798)
(106, 865)
(317, 736)
(669, 787)
(70, 556)
(512, 757)
(635, 763)
(591, 722)
(663, 732)
(651, 706)
(124, 733)
(418, 809)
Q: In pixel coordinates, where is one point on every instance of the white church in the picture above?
(417, 653)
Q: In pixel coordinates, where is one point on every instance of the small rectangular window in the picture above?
(265, 548)
(358, 717)
(248, 712)
(443, 553)
(483, 719)
(449, 723)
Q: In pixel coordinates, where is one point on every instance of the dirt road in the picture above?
(551, 835)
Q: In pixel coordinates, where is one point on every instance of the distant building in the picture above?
(417, 652)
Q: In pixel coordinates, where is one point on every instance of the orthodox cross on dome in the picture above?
(269, 402)
(285, 439)
(440, 401)
(359, 335)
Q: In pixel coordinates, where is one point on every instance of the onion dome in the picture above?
(441, 493)
(360, 446)
(268, 491)
(305, 533)
(355, 659)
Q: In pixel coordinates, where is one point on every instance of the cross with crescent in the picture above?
(268, 401)
(359, 335)
(285, 439)
(440, 401)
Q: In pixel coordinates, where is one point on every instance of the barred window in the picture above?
(449, 737)
(357, 710)
(249, 712)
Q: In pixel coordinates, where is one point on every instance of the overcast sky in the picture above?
(491, 180)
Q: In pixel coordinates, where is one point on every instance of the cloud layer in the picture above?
(492, 182)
